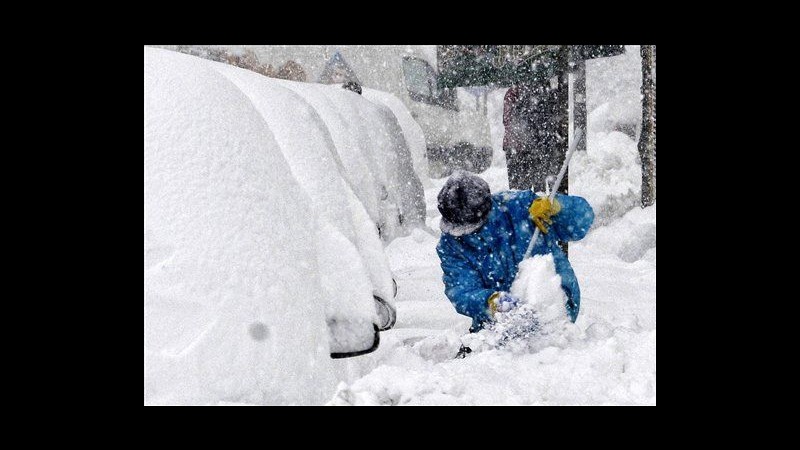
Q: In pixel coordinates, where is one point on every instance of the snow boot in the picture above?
(463, 351)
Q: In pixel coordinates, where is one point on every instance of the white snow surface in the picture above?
(608, 175)
(221, 223)
(538, 284)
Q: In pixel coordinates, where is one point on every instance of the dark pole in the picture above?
(562, 128)
(561, 116)
(579, 101)
(647, 139)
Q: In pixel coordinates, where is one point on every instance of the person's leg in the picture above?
(540, 166)
(516, 168)
(463, 352)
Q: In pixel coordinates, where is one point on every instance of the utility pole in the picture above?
(579, 100)
(647, 139)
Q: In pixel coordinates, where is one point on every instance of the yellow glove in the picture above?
(492, 302)
(542, 210)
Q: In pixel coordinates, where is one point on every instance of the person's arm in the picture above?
(463, 284)
(574, 220)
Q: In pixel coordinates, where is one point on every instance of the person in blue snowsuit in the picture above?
(484, 238)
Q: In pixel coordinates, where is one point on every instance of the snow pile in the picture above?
(538, 285)
(630, 238)
(539, 320)
(232, 294)
(613, 92)
(608, 175)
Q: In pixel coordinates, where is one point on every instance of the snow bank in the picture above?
(232, 296)
(613, 93)
(608, 175)
(630, 238)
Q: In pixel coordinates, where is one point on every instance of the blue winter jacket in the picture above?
(477, 264)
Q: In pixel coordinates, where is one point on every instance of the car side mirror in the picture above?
(347, 338)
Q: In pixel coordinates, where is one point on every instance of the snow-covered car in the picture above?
(414, 136)
(252, 284)
(454, 122)
(305, 142)
(374, 156)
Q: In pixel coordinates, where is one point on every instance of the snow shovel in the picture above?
(577, 137)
